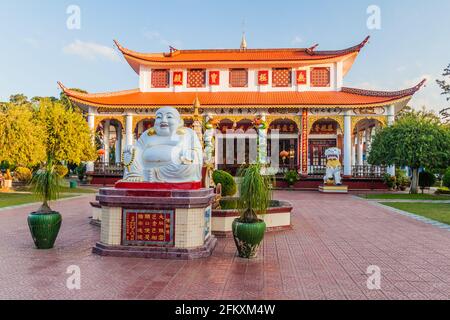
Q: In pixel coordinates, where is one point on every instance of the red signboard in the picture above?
(148, 227)
(263, 77)
(304, 150)
(301, 77)
(214, 78)
(178, 78)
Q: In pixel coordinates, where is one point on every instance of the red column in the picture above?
(304, 144)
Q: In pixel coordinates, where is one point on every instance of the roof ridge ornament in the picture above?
(310, 50)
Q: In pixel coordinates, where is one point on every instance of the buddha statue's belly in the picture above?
(160, 155)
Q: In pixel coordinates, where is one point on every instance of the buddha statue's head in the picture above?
(167, 121)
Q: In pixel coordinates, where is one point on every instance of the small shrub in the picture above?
(81, 172)
(446, 179)
(426, 180)
(401, 180)
(61, 170)
(229, 187)
(389, 180)
(291, 177)
(23, 174)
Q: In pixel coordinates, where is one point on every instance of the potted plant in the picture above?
(45, 223)
(255, 197)
(291, 177)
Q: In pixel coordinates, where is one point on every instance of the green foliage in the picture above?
(389, 180)
(446, 179)
(65, 101)
(417, 140)
(80, 171)
(61, 170)
(426, 180)
(255, 192)
(46, 185)
(23, 174)
(291, 177)
(229, 187)
(18, 99)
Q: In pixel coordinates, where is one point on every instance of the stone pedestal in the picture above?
(333, 189)
(155, 223)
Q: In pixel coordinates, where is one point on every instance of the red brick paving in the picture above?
(334, 239)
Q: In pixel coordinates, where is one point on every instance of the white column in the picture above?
(359, 161)
(129, 129)
(91, 124)
(353, 152)
(347, 144)
(106, 139)
(118, 143)
(368, 141)
(391, 121)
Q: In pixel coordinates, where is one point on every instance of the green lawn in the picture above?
(436, 211)
(15, 199)
(403, 196)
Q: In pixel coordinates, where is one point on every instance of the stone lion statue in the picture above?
(334, 166)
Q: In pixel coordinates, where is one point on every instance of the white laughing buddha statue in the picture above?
(166, 153)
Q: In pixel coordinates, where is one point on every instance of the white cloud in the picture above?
(91, 50)
(296, 40)
(156, 36)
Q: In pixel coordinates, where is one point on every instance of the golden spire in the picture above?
(243, 42)
(196, 108)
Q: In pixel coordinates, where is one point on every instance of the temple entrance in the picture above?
(317, 149)
(288, 150)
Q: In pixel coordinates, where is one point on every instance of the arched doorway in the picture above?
(288, 144)
(109, 137)
(324, 133)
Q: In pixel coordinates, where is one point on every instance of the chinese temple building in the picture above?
(300, 92)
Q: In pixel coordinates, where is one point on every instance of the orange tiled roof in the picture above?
(221, 57)
(346, 97)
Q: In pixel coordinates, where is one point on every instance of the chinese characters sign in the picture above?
(214, 78)
(263, 77)
(301, 77)
(148, 227)
(305, 142)
(178, 78)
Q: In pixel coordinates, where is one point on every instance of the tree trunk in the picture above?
(414, 181)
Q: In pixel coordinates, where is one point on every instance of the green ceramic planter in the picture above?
(44, 228)
(248, 237)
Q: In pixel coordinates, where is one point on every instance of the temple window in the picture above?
(320, 77)
(238, 78)
(281, 77)
(160, 78)
(196, 78)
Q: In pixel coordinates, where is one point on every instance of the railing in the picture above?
(316, 171)
(368, 171)
(108, 169)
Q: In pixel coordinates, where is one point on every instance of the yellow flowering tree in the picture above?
(21, 136)
(67, 135)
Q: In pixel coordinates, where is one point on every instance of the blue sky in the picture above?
(38, 49)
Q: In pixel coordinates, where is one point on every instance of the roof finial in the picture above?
(196, 108)
(243, 42)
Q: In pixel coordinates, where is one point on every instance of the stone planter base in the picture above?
(154, 223)
(156, 252)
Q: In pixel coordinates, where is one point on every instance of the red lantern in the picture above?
(101, 152)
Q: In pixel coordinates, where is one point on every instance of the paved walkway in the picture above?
(335, 238)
